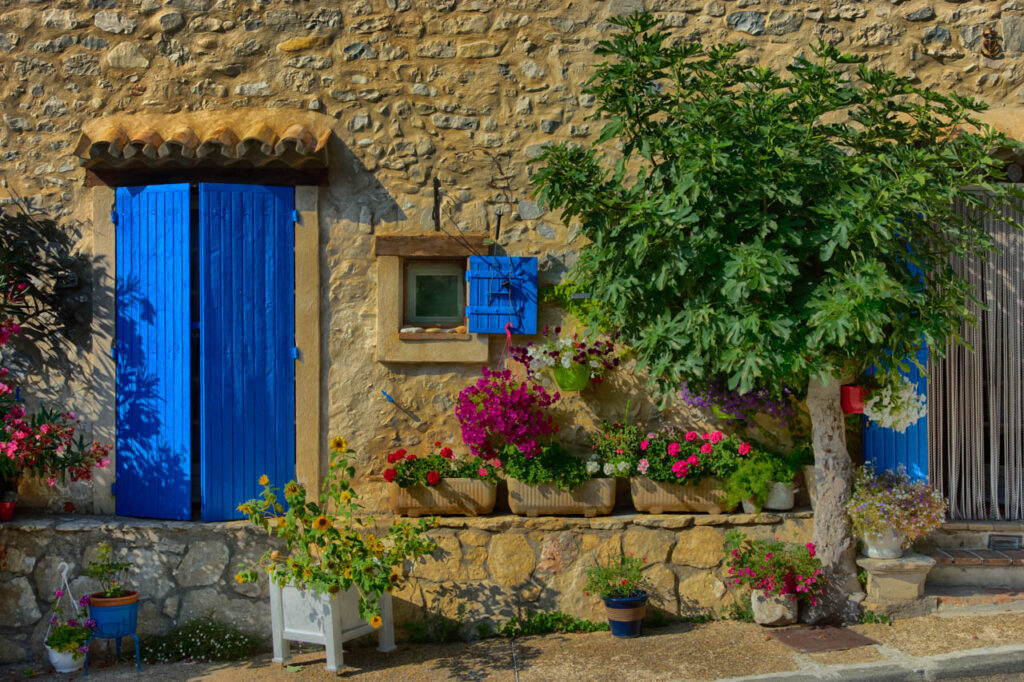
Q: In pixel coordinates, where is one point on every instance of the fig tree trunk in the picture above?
(834, 472)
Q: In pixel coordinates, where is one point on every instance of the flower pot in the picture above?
(574, 378)
(780, 496)
(626, 614)
(6, 511)
(811, 480)
(883, 546)
(657, 498)
(329, 620)
(64, 661)
(851, 398)
(452, 496)
(778, 609)
(115, 616)
(596, 497)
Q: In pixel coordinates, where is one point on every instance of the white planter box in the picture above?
(305, 616)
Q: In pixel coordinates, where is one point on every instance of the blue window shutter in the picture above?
(886, 449)
(502, 289)
(247, 319)
(152, 358)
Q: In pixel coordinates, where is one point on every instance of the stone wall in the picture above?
(486, 569)
(414, 91)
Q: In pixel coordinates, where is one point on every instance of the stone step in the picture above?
(959, 600)
(975, 557)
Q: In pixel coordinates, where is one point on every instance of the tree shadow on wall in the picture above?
(55, 309)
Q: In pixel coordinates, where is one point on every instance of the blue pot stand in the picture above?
(115, 622)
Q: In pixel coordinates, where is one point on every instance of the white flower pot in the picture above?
(778, 609)
(64, 662)
(780, 497)
(884, 546)
(305, 616)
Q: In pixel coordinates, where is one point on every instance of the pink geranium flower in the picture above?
(691, 435)
(673, 449)
(744, 448)
(644, 444)
(707, 448)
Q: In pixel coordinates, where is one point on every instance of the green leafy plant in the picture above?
(753, 477)
(552, 465)
(68, 635)
(891, 502)
(869, 617)
(198, 640)
(765, 229)
(618, 445)
(545, 623)
(774, 566)
(408, 470)
(329, 547)
(622, 577)
(108, 572)
(740, 610)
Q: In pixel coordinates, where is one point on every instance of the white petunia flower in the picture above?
(593, 468)
(566, 361)
(609, 469)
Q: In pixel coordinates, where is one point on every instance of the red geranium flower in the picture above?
(433, 478)
(389, 475)
(446, 453)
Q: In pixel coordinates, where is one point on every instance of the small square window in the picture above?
(435, 293)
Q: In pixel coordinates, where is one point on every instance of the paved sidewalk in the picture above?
(913, 649)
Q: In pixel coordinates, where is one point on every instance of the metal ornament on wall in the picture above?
(1014, 172)
(990, 46)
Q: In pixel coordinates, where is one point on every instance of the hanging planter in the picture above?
(852, 398)
(575, 378)
(64, 661)
(6, 511)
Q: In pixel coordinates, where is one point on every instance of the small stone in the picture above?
(171, 22)
(261, 89)
(127, 56)
(114, 22)
(282, 18)
(524, 105)
(876, 35)
(747, 22)
(360, 122)
(779, 609)
(546, 231)
(714, 9)
(625, 7)
(57, 44)
(54, 106)
(61, 19)
(303, 43)
(203, 565)
(530, 69)
(20, 608)
(439, 49)
(700, 547)
(651, 544)
(530, 210)
(448, 121)
(94, 43)
(8, 41)
(358, 50)
(937, 34)
(479, 50)
(549, 125)
(922, 14)
(1013, 33)
(310, 62)
(781, 22)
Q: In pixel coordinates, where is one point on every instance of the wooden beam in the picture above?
(127, 177)
(429, 245)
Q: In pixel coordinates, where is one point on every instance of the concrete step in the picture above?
(960, 600)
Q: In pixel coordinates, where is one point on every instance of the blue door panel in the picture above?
(887, 449)
(247, 322)
(152, 355)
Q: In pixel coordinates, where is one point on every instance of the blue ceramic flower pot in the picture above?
(626, 614)
(114, 616)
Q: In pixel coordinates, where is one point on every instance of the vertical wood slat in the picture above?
(152, 357)
(887, 449)
(246, 338)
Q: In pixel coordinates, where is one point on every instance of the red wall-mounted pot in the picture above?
(852, 399)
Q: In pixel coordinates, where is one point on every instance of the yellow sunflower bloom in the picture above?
(321, 523)
(291, 489)
(264, 479)
(348, 573)
(376, 621)
(239, 579)
(346, 496)
(338, 443)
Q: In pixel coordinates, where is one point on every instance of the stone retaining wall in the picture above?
(486, 569)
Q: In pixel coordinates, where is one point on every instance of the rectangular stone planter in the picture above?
(451, 497)
(596, 497)
(305, 616)
(657, 498)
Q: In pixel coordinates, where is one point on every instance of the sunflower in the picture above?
(321, 523)
(376, 621)
(348, 573)
(264, 479)
(245, 509)
(291, 489)
(338, 443)
(239, 579)
(346, 496)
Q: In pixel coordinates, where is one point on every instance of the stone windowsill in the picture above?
(433, 336)
(493, 523)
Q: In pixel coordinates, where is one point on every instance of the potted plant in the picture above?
(555, 482)
(761, 480)
(851, 398)
(895, 404)
(675, 471)
(333, 581)
(67, 638)
(441, 483)
(573, 362)
(500, 411)
(8, 487)
(114, 609)
(622, 586)
(889, 511)
(779, 574)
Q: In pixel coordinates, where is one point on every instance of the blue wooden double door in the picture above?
(204, 347)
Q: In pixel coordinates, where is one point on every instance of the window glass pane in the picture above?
(437, 296)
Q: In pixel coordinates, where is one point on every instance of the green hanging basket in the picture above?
(575, 378)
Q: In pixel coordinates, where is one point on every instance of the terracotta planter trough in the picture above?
(657, 498)
(596, 497)
(451, 497)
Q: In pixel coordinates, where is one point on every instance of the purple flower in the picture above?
(84, 601)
